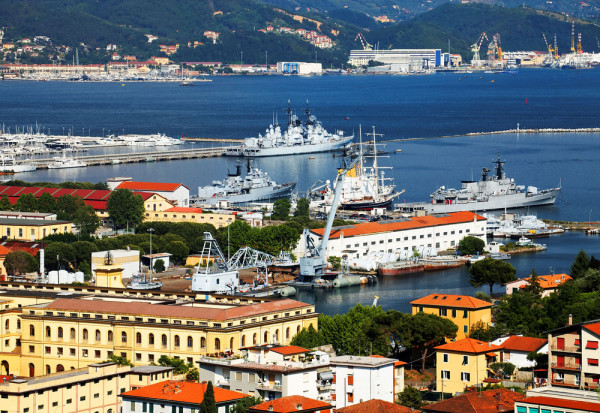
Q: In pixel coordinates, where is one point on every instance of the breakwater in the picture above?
(504, 132)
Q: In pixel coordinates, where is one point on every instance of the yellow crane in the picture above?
(363, 41)
(555, 48)
(573, 37)
(476, 47)
(579, 43)
(548, 45)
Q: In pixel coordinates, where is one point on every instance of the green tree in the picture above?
(208, 404)
(20, 262)
(120, 360)
(490, 271)
(580, 265)
(503, 368)
(281, 209)
(470, 245)
(302, 209)
(86, 220)
(410, 397)
(336, 262)
(159, 266)
(308, 338)
(27, 203)
(67, 206)
(64, 252)
(179, 366)
(179, 250)
(193, 374)
(46, 203)
(5, 204)
(243, 405)
(125, 208)
(540, 359)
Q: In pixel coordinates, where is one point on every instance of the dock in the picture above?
(154, 156)
(183, 138)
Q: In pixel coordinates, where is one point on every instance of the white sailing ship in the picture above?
(298, 138)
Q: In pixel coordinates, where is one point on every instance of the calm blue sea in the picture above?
(400, 107)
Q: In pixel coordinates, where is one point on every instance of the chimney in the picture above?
(570, 319)
(271, 408)
(299, 406)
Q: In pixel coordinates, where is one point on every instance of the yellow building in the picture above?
(74, 332)
(31, 229)
(462, 310)
(94, 388)
(188, 214)
(463, 363)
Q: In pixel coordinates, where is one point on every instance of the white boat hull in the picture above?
(290, 150)
(255, 194)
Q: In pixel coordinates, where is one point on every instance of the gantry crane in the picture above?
(475, 49)
(363, 41)
(555, 48)
(548, 46)
(573, 37)
(579, 43)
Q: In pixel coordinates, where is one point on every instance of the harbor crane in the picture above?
(579, 43)
(314, 262)
(548, 46)
(365, 45)
(573, 37)
(555, 48)
(475, 47)
(495, 48)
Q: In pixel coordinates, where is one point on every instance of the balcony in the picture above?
(566, 366)
(269, 386)
(566, 349)
(567, 382)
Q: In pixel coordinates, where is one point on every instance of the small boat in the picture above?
(141, 282)
(442, 263)
(401, 268)
(64, 163)
(186, 83)
(499, 256)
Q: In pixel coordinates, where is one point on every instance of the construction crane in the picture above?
(363, 41)
(494, 48)
(579, 43)
(2, 33)
(573, 37)
(548, 46)
(555, 48)
(476, 47)
(499, 46)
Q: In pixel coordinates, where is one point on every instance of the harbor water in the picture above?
(400, 107)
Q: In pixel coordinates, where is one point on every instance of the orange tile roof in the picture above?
(469, 345)
(376, 406)
(4, 250)
(290, 404)
(177, 311)
(489, 401)
(528, 344)
(594, 328)
(150, 186)
(183, 392)
(289, 350)
(185, 209)
(409, 223)
(450, 300)
(551, 281)
(563, 403)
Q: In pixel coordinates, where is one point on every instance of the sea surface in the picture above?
(399, 107)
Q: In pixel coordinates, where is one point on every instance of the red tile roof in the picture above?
(527, 344)
(30, 247)
(185, 209)
(410, 223)
(290, 404)
(289, 350)
(449, 300)
(489, 401)
(376, 406)
(563, 403)
(183, 392)
(150, 186)
(177, 311)
(594, 328)
(550, 281)
(469, 345)
(4, 250)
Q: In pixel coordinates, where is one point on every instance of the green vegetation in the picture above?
(20, 262)
(281, 209)
(159, 266)
(208, 405)
(490, 271)
(471, 245)
(410, 397)
(179, 367)
(121, 361)
(125, 208)
(503, 369)
(243, 405)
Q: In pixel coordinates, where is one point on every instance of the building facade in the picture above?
(425, 58)
(19, 229)
(516, 348)
(176, 194)
(462, 310)
(128, 260)
(463, 363)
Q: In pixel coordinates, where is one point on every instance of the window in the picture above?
(443, 312)
(465, 314)
(445, 357)
(164, 340)
(124, 337)
(420, 309)
(98, 335)
(84, 334)
(465, 329)
(287, 333)
(138, 338)
(446, 374)
(592, 344)
(176, 341)
(217, 344)
(110, 336)
(151, 339)
(592, 362)
(203, 342)
(454, 313)
(465, 360)
(97, 354)
(190, 342)
(48, 332)
(59, 333)
(72, 336)
(84, 352)
(464, 376)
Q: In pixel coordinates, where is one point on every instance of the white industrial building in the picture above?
(359, 379)
(415, 58)
(299, 68)
(129, 260)
(176, 194)
(434, 232)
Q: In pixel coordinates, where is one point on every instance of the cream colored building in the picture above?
(193, 215)
(94, 388)
(129, 260)
(31, 229)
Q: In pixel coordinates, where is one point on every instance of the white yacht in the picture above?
(9, 166)
(64, 162)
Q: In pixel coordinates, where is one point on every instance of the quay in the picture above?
(93, 160)
(211, 140)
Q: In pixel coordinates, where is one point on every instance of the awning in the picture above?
(491, 354)
(592, 344)
(326, 375)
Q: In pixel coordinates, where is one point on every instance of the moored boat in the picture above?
(142, 282)
(401, 268)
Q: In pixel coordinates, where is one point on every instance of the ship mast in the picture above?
(499, 167)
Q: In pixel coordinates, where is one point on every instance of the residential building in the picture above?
(573, 356)
(376, 406)
(516, 348)
(462, 310)
(434, 232)
(555, 405)
(69, 333)
(176, 194)
(18, 229)
(46, 216)
(176, 396)
(359, 378)
(463, 363)
(489, 401)
(90, 389)
(548, 283)
(129, 260)
(291, 404)
(271, 372)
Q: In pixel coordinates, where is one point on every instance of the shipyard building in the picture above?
(405, 60)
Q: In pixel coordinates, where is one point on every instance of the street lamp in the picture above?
(150, 230)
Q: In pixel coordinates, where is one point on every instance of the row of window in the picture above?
(464, 376)
(7, 325)
(443, 312)
(465, 359)
(210, 217)
(399, 239)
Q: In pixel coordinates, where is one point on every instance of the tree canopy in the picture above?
(471, 245)
(281, 209)
(20, 262)
(125, 208)
(490, 271)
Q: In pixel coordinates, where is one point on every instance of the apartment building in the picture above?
(462, 310)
